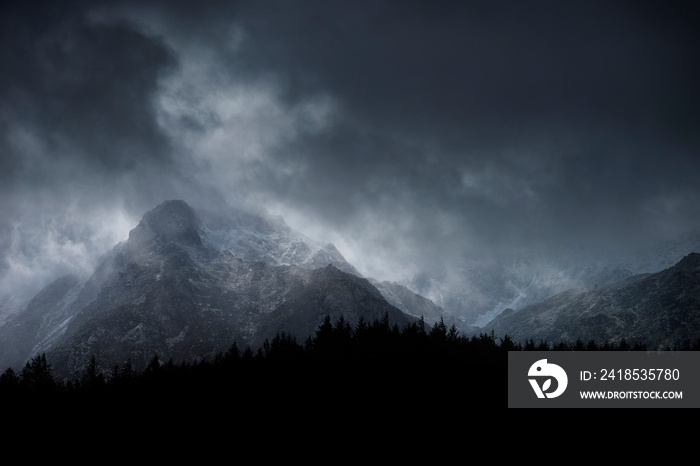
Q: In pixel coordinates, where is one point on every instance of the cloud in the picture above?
(41, 248)
(418, 137)
(81, 147)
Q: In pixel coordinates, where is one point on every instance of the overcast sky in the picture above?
(412, 134)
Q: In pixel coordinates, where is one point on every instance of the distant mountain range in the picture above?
(479, 290)
(188, 283)
(658, 310)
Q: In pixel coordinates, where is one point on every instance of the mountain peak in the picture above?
(171, 208)
(170, 221)
(689, 262)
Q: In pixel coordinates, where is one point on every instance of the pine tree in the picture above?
(36, 375)
(323, 336)
(92, 379)
(361, 325)
(453, 334)
(439, 330)
(9, 381)
(507, 344)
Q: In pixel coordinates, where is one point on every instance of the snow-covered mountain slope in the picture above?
(268, 239)
(258, 237)
(263, 238)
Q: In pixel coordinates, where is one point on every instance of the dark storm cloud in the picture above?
(84, 87)
(549, 120)
(419, 133)
(466, 63)
(78, 132)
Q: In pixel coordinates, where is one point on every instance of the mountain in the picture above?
(188, 283)
(41, 319)
(658, 310)
(258, 238)
(477, 291)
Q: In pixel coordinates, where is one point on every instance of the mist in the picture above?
(420, 139)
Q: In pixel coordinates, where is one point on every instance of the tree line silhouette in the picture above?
(368, 361)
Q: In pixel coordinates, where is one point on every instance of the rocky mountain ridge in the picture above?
(658, 310)
(480, 289)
